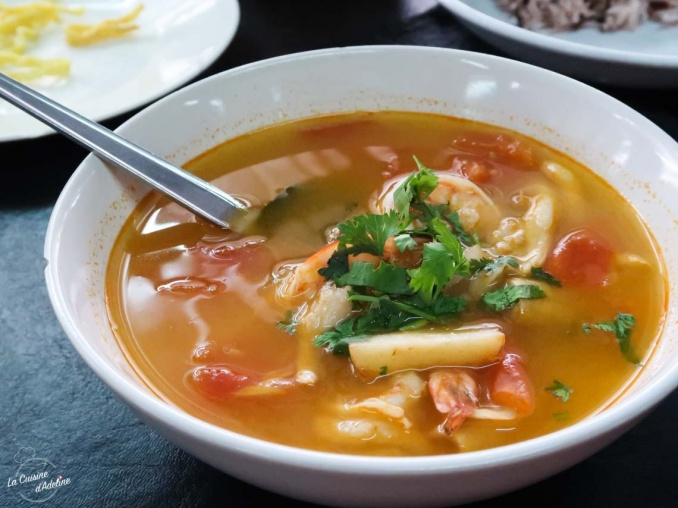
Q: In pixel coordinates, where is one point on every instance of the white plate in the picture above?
(176, 40)
(645, 57)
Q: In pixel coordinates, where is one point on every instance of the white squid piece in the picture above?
(393, 403)
(527, 238)
(329, 307)
(470, 347)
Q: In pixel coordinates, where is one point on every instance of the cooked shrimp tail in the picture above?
(454, 393)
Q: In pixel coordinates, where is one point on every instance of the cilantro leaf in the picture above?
(464, 237)
(416, 188)
(478, 265)
(367, 233)
(405, 242)
(622, 326)
(489, 265)
(383, 370)
(337, 266)
(441, 261)
(338, 338)
(288, 324)
(543, 275)
(446, 305)
(426, 212)
(384, 315)
(507, 297)
(453, 246)
(386, 278)
(562, 416)
(560, 390)
(395, 306)
(436, 270)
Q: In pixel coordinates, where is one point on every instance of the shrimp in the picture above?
(477, 212)
(455, 393)
(325, 307)
(305, 279)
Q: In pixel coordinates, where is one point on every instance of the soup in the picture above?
(414, 285)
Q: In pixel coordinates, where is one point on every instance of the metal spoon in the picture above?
(196, 194)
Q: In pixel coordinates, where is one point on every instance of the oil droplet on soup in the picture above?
(502, 294)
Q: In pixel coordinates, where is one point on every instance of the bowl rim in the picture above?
(143, 401)
(553, 44)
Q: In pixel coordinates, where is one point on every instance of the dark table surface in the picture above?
(52, 402)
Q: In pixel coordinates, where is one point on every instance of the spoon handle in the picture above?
(194, 193)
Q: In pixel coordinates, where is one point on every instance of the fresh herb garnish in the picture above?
(505, 298)
(562, 416)
(387, 297)
(415, 189)
(383, 370)
(338, 338)
(383, 314)
(441, 261)
(436, 270)
(543, 275)
(426, 212)
(288, 324)
(491, 266)
(457, 228)
(386, 278)
(337, 266)
(405, 242)
(560, 390)
(367, 233)
(622, 326)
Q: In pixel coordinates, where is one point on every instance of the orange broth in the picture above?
(183, 294)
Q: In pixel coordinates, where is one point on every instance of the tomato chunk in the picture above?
(478, 171)
(218, 381)
(581, 258)
(510, 385)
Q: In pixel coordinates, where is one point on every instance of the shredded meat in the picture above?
(607, 15)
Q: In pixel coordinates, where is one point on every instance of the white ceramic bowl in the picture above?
(626, 149)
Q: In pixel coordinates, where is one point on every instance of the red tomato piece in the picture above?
(510, 385)
(218, 381)
(581, 258)
(478, 171)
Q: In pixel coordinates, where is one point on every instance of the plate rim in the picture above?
(42, 130)
(554, 44)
